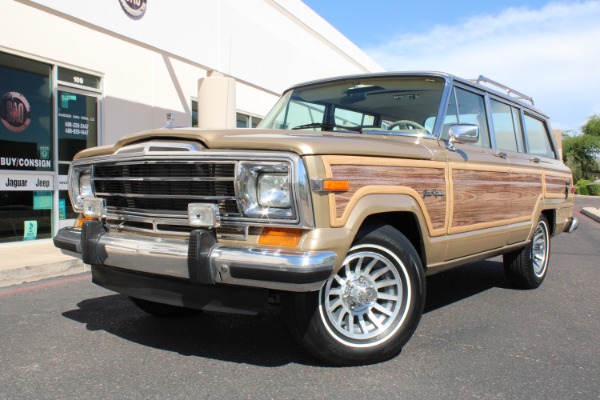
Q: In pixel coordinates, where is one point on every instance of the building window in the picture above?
(26, 149)
(247, 121)
(77, 106)
(36, 112)
(25, 115)
(194, 113)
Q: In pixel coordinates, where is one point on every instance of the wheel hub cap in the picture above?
(359, 294)
(366, 301)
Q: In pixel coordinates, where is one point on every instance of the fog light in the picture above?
(94, 208)
(203, 215)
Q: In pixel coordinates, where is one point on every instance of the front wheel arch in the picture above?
(406, 223)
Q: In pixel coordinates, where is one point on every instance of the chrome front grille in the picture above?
(148, 186)
(156, 193)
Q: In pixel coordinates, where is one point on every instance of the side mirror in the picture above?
(462, 133)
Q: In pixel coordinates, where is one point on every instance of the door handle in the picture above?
(535, 160)
(501, 155)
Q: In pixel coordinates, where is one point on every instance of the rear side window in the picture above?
(538, 140)
(507, 127)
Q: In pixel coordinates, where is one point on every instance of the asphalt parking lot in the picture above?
(479, 338)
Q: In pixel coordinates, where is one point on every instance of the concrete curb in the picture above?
(22, 274)
(593, 213)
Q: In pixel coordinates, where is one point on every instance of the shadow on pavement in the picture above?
(261, 340)
(463, 282)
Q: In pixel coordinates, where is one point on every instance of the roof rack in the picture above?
(508, 90)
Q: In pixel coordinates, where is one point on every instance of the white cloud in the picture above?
(551, 54)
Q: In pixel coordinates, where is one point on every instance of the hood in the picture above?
(303, 143)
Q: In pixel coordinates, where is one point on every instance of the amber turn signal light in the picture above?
(280, 237)
(336, 186)
(81, 219)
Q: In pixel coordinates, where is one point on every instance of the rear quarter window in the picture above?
(538, 140)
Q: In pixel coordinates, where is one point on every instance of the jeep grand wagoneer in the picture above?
(350, 192)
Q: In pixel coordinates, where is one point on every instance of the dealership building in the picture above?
(76, 74)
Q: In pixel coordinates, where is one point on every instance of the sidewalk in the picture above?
(593, 213)
(589, 206)
(33, 261)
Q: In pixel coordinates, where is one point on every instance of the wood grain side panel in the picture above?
(492, 198)
(415, 178)
(480, 197)
(557, 186)
(527, 189)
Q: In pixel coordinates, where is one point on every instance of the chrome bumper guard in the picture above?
(199, 259)
(571, 225)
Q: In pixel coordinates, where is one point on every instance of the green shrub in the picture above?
(583, 182)
(593, 189)
(581, 186)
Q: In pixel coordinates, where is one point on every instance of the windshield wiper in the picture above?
(328, 126)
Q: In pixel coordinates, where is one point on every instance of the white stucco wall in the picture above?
(152, 65)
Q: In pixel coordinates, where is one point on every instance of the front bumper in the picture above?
(199, 259)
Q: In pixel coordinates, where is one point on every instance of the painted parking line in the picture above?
(32, 288)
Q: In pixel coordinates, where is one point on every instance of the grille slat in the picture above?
(162, 170)
(217, 189)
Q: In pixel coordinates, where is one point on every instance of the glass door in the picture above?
(77, 117)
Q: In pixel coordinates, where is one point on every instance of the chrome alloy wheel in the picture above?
(539, 249)
(366, 302)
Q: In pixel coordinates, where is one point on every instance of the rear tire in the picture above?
(369, 309)
(526, 268)
(163, 310)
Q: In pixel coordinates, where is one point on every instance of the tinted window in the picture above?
(467, 108)
(374, 103)
(353, 118)
(538, 140)
(507, 126)
(518, 128)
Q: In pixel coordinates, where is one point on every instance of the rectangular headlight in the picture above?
(80, 186)
(274, 190)
(265, 189)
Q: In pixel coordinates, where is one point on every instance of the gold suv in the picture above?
(350, 192)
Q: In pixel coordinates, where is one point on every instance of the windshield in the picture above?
(374, 105)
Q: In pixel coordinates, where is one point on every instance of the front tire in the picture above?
(369, 309)
(526, 268)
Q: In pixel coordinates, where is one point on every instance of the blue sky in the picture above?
(549, 50)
